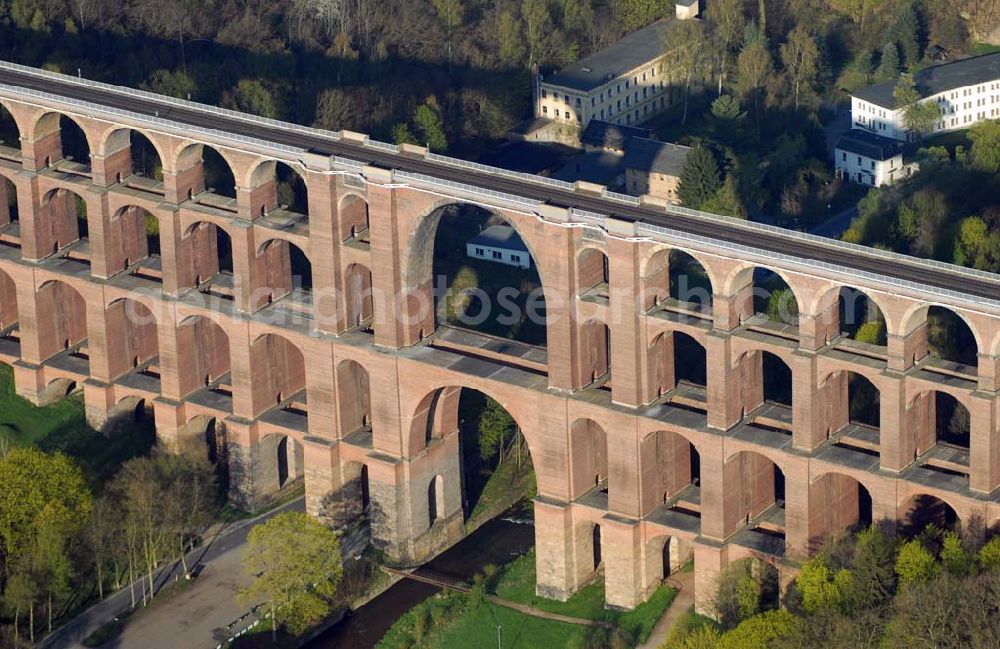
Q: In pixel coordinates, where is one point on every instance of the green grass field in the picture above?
(450, 621)
(63, 427)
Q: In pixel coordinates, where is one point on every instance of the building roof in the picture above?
(655, 157)
(686, 3)
(500, 236)
(940, 78)
(612, 136)
(627, 54)
(869, 145)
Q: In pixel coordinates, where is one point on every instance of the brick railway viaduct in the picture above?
(359, 394)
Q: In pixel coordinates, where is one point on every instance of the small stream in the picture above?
(498, 541)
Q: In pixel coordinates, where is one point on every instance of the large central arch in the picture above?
(453, 253)
(444, 427)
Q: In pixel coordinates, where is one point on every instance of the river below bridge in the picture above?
(498, 541)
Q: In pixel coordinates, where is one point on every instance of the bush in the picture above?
(759, 632)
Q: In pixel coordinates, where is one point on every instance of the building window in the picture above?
(545, 110)
(480, 252)
(497, 254)
(557, 112)
(579, 102)
(843, 156)
(873, 165)
(516, 259)
(859, 161)
(545, 93)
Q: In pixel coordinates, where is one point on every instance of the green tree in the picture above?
(985, 138)
(296, 567)
(918, 116)
(872, 333)
(173, 83)
(251, 96)
(496, 427)
(509, 35)
(954, 557)
(429, 127)
(726, 200)
(31, 481)
(888, 68)
(727, 21)
(536, 27)
(915, 563)
(759, 631)
(823, 588)
(755, 67)
(782, 306)
(633, 14)
(726, 107)
(801, 57)
(874, 568)
(451, 13)
(401, 134)
(906, 31)
(699, 179)
(989, 554)
(685, 55)
(970, 243)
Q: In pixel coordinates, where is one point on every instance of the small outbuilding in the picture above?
(500, 244)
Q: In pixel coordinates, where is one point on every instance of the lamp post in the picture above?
(499, 626)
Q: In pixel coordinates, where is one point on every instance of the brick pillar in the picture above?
(241, 444)
(984, 445)
(324, 251)
(241, 371)
(99, 232)
(171, 427)
(562, 331)
(99, 338)
(728, 311)
(902, 350)
(989, 373)
(624, 322)
(725, 405)
(808, 425)
(797, 504)
(817, 329)
(322, 477)
(320, 389)
(249, 294)
(31, 217)
(44, 145)
(621, 550)
(714, 500)
(171, 357)
(170, 249)
(555, 563)
(98, 402)
(896, 439)
(396, 319)
(624, 458)
(390, 520)
(29, 384)
(709, 560)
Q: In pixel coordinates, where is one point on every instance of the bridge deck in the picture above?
(918, 273)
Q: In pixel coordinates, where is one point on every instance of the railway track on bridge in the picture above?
(913, 270)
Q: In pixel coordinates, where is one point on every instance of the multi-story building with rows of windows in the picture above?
(967, 91)
(625, 83)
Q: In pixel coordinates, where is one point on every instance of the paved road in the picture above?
(194, 619)
(684, 582)
(817, 249)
